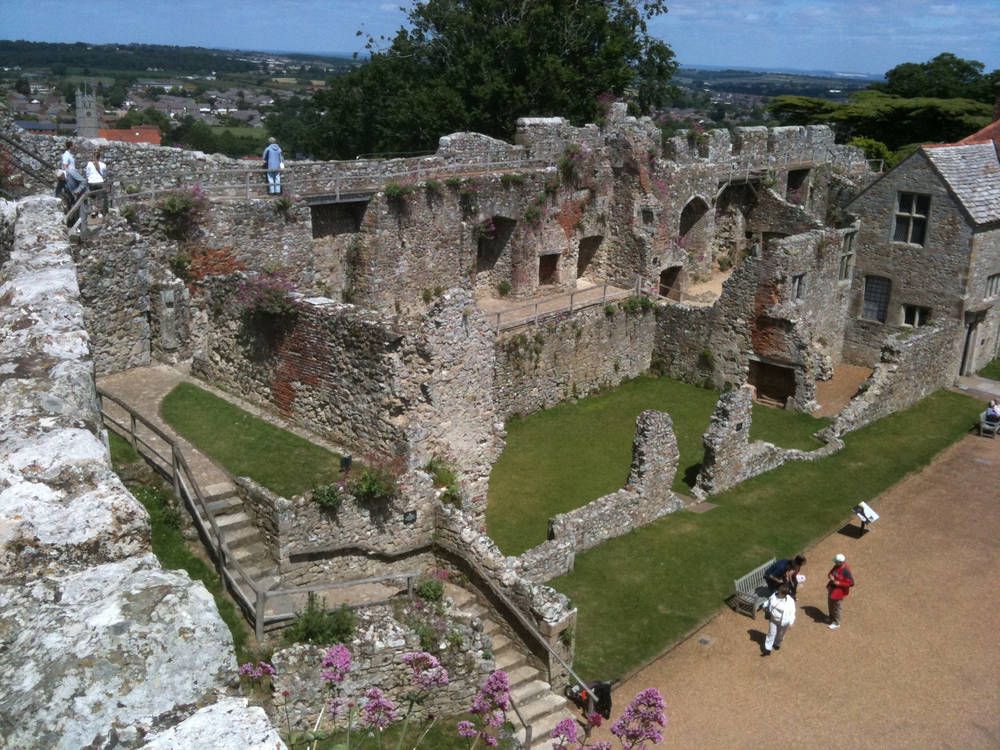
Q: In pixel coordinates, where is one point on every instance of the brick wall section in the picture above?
(570, 355)
(730, 456)
(912, 366)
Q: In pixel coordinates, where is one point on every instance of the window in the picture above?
(916, 316)
(993, 285)
(911, 218)
(798, 286)
(847, 257)
(876, 298)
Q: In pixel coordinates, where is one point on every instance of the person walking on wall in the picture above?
(96, 170)
(838, 586)
(273, 163)
(780, 617)
(71, 184)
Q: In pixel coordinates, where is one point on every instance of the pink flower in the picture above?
(427, 670)
(378, 711)
(467, 729)
(565, 732)
(336, 664)
(595, 719)
(642, 721)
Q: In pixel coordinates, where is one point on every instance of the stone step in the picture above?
(526, 693)
(491, 626)
(218, 491)
(461, 598)
(476, 610)
(241, 536)
(521, 674)
(233, 521)
(509, 658)
(541, 729)
(229, 504)
(250, 555)
(542, 705)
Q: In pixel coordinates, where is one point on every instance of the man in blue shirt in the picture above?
(785, 571)
(273, 164)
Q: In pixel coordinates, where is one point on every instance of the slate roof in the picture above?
(972, 172)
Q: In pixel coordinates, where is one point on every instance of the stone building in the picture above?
(928, 253)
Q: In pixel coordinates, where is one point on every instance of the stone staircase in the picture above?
(243, 538)
(540, 706)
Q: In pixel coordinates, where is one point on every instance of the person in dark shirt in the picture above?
(785, 571)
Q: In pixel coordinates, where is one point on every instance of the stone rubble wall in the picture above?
(313, 538)
(913, 365)
(265, 510)
(570, 355)
(105, 648)
(377, 649)
(730, 456)
(645, 498)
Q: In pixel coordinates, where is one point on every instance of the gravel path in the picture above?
(917, 661)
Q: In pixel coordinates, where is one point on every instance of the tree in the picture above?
(479, 64)
(944, 77)
(22, 86)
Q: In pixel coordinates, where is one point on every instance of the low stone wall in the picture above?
(104, 646)
(645, 498)
(265, 509)
(730, 456)
(570, 355)
(377, 651)
(913, 365)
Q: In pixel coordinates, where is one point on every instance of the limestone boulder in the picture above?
(229, 724)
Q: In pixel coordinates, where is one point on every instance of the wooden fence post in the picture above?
(175, 469)
(258, 615)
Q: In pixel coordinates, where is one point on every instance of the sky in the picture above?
(857, 36)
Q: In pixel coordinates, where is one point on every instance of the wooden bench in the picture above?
(750, 592)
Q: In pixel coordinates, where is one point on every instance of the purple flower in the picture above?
(565, 732)
(378, 711)
(257, 671)
(467, 729)
(642, 721)
(491, 704)
(427, 670)
(601, 745)
(336, 664)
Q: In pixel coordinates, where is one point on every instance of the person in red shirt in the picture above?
(838, 586)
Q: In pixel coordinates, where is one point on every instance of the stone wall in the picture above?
(985, 262)
(377, 651)
(358, 539)
(265, 511)
(730, 456)
(645, 498)
(570, 355)
(912, 366)
(106, 646)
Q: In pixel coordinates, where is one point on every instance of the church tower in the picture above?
(87, 117)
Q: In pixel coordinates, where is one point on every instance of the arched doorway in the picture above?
(693, 235)
(670, 282)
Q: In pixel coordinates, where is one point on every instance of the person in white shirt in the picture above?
(96, 171)
(71, 179)
(781, 616)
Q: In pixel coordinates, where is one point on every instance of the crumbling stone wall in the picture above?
(730, 456)
(104, 645)
(377, 649)
(570, 355)
(913, 365)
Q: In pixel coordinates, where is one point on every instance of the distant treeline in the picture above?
(137, 57)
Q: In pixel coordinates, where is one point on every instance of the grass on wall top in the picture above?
(991, 371)
(564, 457)
(246, 445)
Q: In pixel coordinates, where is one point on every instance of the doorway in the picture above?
(670, 286)
(548, 269)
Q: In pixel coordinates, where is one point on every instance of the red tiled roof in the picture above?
(990, 133)
(141, 134)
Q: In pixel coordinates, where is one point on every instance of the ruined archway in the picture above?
(493, 262)
(693, 236)
(729, 241)
(585, 255)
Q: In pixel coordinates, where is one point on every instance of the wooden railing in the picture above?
(532, 312)
(252, 597)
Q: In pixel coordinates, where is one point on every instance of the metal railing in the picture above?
(250, 594)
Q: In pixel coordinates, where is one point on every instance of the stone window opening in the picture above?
(585, 254)
(648, 217)
(993, 285)
(846, 257)
(797, 190)
(916, 316)
(548, 269)
(910, 225)
(334, 218)
(492, 236)
(876, 300)
(798, 284)
(670, 283)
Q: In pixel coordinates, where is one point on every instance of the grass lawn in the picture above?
(248, 446)
(559, 459)
(991, 371)
(633, 606)
(173, 551)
